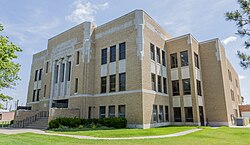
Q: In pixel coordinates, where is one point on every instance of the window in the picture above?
(44, 91)
(36, 73)
(77, 57)
(161, 119)
(166, 114)
(34, 96)
(173, 60)
(121, 109)
(47, 67)
(102, 112)
(199, 87)
(159, 83)
(104, 56)
(230, 75)
(158, 55)
(165, 90)
(184, 58)
(69, 70)
(40, 74)
(155, 114)
(56, 73)
(103, 84)
(152, 51)
(111, 111)
(112, 83)
(76, 85)
(112, 53)
(175, 88)
(232, 95)
(122, 51)
(89, 115)
(177, 114)
(153, 81)
(196, 60)
(62, 72)
(186, 86)
(38, 95)
(236, 83)
(189, 114)
(163, 56)
(122, 82)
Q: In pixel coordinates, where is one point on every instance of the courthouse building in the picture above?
(131, 67)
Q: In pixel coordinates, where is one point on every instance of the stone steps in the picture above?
(41, 123)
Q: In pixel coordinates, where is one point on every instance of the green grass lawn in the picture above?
(127, 132)
(207, 136)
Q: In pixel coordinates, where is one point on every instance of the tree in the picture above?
(8, 68)
(242, 19)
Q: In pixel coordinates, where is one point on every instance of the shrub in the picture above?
(116, 122)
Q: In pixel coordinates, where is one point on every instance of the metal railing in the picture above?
(5, 123)
(29, 120)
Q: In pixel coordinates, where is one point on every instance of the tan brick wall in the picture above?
(138, 97)
(63, 112)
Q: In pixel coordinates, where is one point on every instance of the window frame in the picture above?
(177, 92)
(159, 83)
(152, 51)
(189, 117)
(122, 51)
(34, 96)
(165, 89)
(47, 67)
(120, 114)
(104, 85)
(102, 113)
(163, 57)
(40, 74)
(173, 60)
(153, 81)
(196, 60)
(104, 56)
(112, 53)
(161, 113)
(112, 114)
(76, 85)
(122, 85)
(38, 94)
(177, 117)
(158, 55)
(77, 57)
(69, 71)
(185, 91)
(112, 85)
(63, 72)
(166, 114)
(36, 73)
(199, 91)
(184, 58)
(155, 114)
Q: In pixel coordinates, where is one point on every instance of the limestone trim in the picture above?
(139, 24)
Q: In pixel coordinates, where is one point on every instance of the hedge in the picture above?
(116, 122)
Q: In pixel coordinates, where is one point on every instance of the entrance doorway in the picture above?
(201, 116)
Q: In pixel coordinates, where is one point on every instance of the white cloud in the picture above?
(85, 11)
(229, 40)
(241, 77)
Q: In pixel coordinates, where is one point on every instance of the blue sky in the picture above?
(29, 24)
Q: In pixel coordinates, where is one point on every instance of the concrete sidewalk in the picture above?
(19, 130)
(16, 131)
